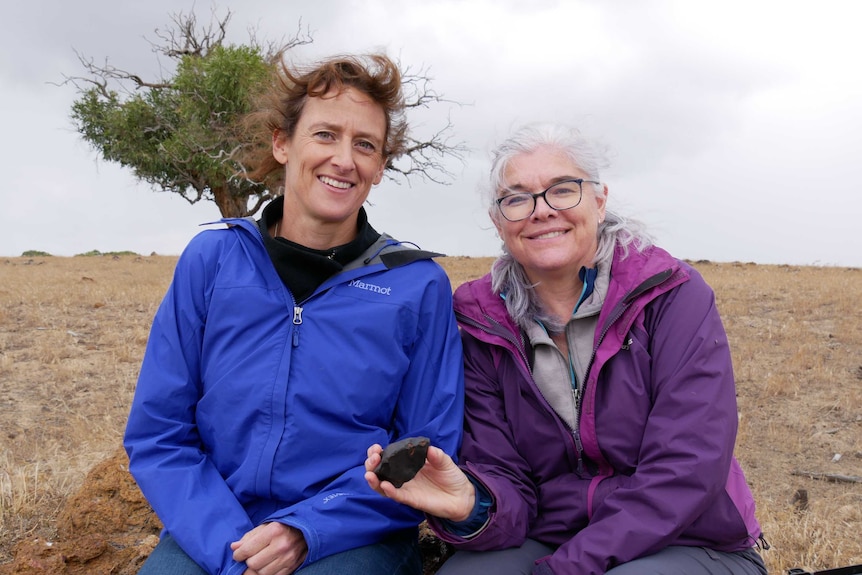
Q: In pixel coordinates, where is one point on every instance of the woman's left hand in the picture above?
(271, 549)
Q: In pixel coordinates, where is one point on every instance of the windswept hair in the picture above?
(281, 105)
(507, 275)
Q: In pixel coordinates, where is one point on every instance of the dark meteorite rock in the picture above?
(402, 460)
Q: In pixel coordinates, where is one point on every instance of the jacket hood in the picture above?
(475, 301)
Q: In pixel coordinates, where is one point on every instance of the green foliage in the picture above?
(95, 253)
(35, 254)
(182, 135)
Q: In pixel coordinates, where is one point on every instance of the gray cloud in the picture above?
(733, 128)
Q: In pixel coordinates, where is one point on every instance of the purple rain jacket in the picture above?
(651, 463)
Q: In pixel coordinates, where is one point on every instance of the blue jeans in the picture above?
(396, 555)
(169, 559)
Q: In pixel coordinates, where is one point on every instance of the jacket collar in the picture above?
(483, 313)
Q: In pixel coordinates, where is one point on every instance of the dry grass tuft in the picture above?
(72, 334)
(73, 331)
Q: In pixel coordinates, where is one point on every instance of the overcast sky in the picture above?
(734, 127)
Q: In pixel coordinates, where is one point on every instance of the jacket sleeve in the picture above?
(347, 513)
(491, 454)
(166, 456)
(687, 443)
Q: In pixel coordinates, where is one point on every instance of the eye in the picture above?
(564, 191)
(324, 135)
(366, 146)
(515, 200)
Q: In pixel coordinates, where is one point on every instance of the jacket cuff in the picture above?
(479, 517)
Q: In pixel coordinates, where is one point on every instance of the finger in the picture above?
(284, 551)
(240, 553)
(373, 482)
(250, 544)
(438, 458)
(374, 449)
(290, 553)
(372, 462)
(384, 488)
(390, 491)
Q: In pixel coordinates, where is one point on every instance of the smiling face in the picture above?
(550, 243)
(331, 162)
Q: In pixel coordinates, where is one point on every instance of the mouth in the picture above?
(549, 235)
(335, 183)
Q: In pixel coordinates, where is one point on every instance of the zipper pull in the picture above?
(297, 321)
(576, 395)
(576, 398)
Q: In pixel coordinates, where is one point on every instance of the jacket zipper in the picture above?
(624, 304)
(502, 332)
(576, 434)
(579, 395)
(297, 321)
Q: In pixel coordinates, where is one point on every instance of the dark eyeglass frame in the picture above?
(542, 194)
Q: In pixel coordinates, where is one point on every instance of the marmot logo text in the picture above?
(370, 287)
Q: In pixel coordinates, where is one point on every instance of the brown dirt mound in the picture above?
(108, 527)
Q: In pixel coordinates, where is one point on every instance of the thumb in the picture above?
(438, 458)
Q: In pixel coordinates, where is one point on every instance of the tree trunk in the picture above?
(232, 203)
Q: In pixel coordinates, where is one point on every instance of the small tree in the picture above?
(183, 134)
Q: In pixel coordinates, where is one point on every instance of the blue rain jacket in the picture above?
(251, 407)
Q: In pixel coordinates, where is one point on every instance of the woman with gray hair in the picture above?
(600, 413)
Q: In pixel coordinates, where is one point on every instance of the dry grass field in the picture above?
(73, 330)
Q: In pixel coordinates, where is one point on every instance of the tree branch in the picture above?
(101, 75)
(833, 477)
(275, 50)
(423, 158)
(185, 39)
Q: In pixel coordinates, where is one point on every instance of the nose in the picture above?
(342, 157)
(542, 209)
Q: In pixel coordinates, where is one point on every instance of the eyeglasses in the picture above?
(563, 195)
